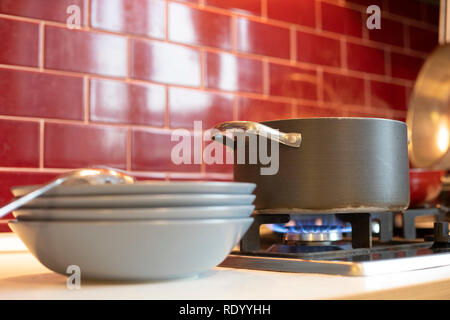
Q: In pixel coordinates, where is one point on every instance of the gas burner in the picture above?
(311, 234)
(298, 244)
(312, 231)
(314, 234)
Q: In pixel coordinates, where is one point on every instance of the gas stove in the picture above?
(358, 244)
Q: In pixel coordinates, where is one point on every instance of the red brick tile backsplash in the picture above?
(405, 66)
(262, 110)
(414, 10)
(151, 150)
(387, 95)
(247, 6)
(228, 72)
(41, 95)
(119, 102)
(341, 20)
(41, 9)
(165, 63)
(199, 27)
(391, 33)
(142, 17)
(366, 59)
(293, 11)
(380, 3)
(314, 48)
(113, 91)
(292, 82)
(344, 89)
(20, 144)
(210, 107)
(79, 146)
(19, 43)
(422, 39)
(86, 52)
(263, 39)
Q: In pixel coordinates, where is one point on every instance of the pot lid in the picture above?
(428, 115)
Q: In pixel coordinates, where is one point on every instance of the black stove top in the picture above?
(349, 244)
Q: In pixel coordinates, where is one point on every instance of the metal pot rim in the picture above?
(337, 118)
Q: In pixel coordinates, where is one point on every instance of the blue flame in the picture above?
(302, 229)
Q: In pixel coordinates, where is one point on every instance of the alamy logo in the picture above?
(74, 19)
(374, 20)
(74, 280)
(247, 146)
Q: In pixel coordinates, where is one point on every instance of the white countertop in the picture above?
(23, 277)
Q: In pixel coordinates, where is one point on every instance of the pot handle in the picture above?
(289, 139)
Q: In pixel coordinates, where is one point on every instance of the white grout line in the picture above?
(41, 144)
(293, 44)
(41, 46)
(128, 150)
(86, 99)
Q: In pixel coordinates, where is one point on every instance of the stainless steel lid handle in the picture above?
(289, 139)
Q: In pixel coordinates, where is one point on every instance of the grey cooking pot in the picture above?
(339, 165)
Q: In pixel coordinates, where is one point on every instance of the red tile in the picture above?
(3, 226)
(294, 11)
(312, 48)
(243, 6)
(156, 156)
(78, 146)
(432, 13)
(341, 20)
(83, 51)
(263, 110)
(359, 113)
(164, 62)
(370, 113)
(400, 117)
(263, 39)
(367, 3)
(187, 106)
(343, 89)
(19, 43)
(144, 17)
(292, 82)
(363, 113)
(391, 32)
(198, 27)
(409, 91)
(366, 59)
(228, 72)
(404, 66)
(215, 158)
(305, 111)
(387, 95)
(41, 9)
(422, 39)
(19, 144)
(412, 9)
(35, 94)
(120, 102)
